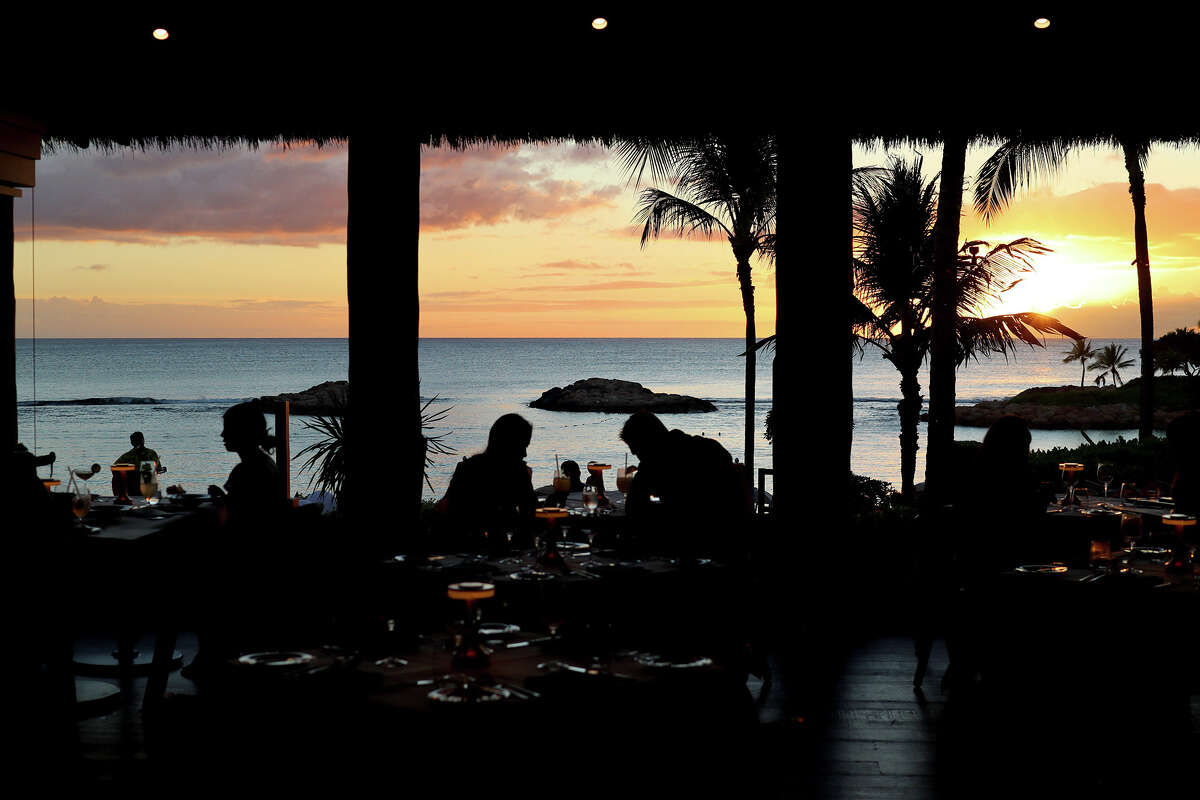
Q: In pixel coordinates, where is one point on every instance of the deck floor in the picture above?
(859, 732)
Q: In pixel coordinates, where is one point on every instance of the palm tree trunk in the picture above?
(910, 416)
(1082, 372)
(743, 273)
(1137, 192)
(940, 441)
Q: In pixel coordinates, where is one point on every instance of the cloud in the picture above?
(95, 267)
(72, 317)
(489, 186)
(1123, 320)
(1101, 213)
(292, 197)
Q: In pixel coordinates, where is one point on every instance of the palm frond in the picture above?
(659, 210)
(1001, 333)
(1014, 165)
(327, 455)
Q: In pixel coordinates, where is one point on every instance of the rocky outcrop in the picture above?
(325, 399)
(617, 397)
(1107, 416)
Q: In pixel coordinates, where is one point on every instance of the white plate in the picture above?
(277, 659)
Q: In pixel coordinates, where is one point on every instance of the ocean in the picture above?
(193, 381)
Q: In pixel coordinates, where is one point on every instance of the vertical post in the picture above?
(8, 319)
(384, 316)
(283, 447)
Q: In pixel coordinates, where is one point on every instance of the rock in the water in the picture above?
(618, 397)
(325, 399)
(1102, 416)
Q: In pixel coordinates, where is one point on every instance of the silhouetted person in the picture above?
(240, 584)
(251, 496)
(135, 456)
(491, 492)
(996, 525)
(686, 492)
(570, 470)
(1183, 439)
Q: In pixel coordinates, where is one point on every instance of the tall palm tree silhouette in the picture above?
(1081, 352)
(894, 220)
(721, 183)
(1110, 360)
(1021, 159)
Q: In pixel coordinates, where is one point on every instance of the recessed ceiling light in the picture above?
(599, 23)
(161, 33)
(1041, 23)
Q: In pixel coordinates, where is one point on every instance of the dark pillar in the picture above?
(382, 428)
(9, 320)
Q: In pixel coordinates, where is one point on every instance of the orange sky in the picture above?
(515, 242)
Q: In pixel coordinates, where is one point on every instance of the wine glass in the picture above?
(1105, 474)
(591, 500)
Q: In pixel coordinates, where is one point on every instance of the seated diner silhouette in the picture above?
(134, 456)
(490, 493)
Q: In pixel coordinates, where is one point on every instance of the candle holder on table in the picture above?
(1070, 474)
(1181, 557)
(121, 473)
(550, 555)
(469, 652)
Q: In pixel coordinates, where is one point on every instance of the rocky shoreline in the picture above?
(617, 397)
(1101, 416)
(324, 399)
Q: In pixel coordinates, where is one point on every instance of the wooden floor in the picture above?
(858, 731)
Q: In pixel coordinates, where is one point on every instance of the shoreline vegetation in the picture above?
(1074, 407)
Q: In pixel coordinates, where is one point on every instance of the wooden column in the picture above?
(283, 448)
(382, 427)
(20, 148)
(8, 363)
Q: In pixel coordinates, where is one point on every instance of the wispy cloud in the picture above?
(95, 267)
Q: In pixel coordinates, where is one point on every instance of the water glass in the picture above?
(590, 499)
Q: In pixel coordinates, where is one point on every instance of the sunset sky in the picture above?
(525, 242)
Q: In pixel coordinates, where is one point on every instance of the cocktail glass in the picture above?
(469, 652)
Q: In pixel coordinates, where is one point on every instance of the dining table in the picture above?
(125, 571)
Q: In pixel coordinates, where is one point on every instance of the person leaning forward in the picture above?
(686, 495)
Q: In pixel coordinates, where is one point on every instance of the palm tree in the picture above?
(1018, 161)
(1081, 352)
(723, 184)
(1110, 360)
(895, 221)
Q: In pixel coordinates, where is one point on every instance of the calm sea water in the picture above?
(195, 380)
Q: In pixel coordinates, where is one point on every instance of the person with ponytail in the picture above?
(251, 494)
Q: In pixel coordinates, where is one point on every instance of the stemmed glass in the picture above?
(1069, 471)
(1105, 474)
(81, 497)
(591, 500)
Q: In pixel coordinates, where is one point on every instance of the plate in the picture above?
(668, 662)
(531, 575)
(573, 547)
(466, 689)
(497, 629)
(1152, 552)
(277, 658)
(1044, 569)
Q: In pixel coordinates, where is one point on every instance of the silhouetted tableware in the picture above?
(277, 658)
(1043, 569)
(461, 688)
(657, 661)
(531, 575)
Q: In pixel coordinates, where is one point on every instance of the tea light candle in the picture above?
(1179, 521)
(471, 591)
